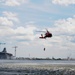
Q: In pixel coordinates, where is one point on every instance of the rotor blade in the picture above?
(46, 29)
(40, 31)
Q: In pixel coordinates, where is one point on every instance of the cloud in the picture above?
(11, 16)
(8, 19)
(12, 3)
(21, 33)
(15, 2)
(5, 22)
(6, 32)
(63, 2)
(66, 26)
(63, 33)
(25, 33)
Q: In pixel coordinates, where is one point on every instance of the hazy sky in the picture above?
(20, 19)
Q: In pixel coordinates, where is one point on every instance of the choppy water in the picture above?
(37, 67)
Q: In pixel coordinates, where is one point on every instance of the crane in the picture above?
(15, 50)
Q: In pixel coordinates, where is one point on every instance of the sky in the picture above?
(20, 19)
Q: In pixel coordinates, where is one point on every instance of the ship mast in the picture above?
(1, 44)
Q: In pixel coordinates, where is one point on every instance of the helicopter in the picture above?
(46, 35)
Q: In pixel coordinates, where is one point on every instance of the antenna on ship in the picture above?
(15, 50)
(1, 44)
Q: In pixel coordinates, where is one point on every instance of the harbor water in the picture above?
(37, 67)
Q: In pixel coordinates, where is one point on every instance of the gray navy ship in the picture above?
(5, 55)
